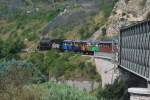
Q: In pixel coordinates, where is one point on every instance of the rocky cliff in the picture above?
(127, 12)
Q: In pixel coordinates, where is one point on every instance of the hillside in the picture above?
(70, 19)
(127, 12)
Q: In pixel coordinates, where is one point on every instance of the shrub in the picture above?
(116, 91)
(10, 46)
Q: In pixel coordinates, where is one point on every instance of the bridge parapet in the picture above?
(135, 49)
(103, 55)
(109, 56)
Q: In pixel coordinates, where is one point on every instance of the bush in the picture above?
(10, 46)
(116, 91)
(13, 76)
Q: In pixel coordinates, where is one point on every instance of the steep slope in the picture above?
(74, 14)
(70, 19)
(127, 12)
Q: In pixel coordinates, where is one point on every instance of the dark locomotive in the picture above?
(45, 44)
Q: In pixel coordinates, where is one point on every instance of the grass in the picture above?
(19, 82)
(47, 91)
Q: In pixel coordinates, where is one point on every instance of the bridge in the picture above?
(134, 56)
(134, 53)
(134, 50)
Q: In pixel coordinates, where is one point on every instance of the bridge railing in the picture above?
(104, 55)
(135, 49)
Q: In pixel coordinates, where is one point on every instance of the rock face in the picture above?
(127, 12)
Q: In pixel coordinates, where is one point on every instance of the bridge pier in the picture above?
(139, 88)
(139, 93)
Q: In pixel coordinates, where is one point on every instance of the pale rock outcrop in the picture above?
(127, 12)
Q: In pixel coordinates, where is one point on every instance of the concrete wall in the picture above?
(139, 93)
(107, 70)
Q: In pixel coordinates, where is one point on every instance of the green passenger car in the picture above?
(94, 48)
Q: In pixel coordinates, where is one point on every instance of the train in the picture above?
(85, 47)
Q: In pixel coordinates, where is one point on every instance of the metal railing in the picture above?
(135, 49)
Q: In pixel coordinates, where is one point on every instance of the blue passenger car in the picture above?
(65, 47)
(76, 46)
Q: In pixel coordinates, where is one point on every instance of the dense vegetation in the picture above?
(10, 47)
(64, 65)
(20, 81)
(16, 82)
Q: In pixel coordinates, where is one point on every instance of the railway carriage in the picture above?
(83, 46)
(94, 47)
(67, 45)
(76, 46)
(88, 47)
(105, 46)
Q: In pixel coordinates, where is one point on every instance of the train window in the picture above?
(100, 45)
(106, 45)
(103, 45)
